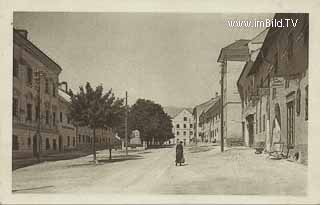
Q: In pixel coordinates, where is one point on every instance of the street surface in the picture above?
(207, 171)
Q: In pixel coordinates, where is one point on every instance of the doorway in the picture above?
(250, 120)
(60, 143)
(35, 146)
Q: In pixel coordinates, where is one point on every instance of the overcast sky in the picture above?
(170, 58)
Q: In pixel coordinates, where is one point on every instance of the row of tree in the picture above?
(96, 109)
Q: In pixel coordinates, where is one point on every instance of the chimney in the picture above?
(23, 32)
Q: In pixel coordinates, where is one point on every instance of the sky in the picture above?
(170, 58)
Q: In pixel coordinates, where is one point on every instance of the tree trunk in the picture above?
(94, 146)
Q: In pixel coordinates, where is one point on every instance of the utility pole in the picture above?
(126, 124)
(221, 105)
(38, 135)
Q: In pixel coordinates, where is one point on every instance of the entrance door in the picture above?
(251, 129)
(35, 145)
(60, 143)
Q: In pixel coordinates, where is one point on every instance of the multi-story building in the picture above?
(210, 122)
(280, 88)
(40, 106)
(35, 77)
(197, 111)
(183, 127)
(245, 86)
(232, 59)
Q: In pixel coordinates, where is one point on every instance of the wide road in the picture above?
(207, 171)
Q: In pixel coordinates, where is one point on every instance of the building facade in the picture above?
(197, 111)
(245, 86)
(35, 77)
(210, 122)
(40, 106)
(232, 60)
(279, 93)
(183, 129)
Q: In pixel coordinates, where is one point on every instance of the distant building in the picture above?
(232, 59)
(135, 137)
(210, 122)
(182, 127)
(197, 111)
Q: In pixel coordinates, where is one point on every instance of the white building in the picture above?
(183, 127)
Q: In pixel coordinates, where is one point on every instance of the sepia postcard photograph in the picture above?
(162, 104)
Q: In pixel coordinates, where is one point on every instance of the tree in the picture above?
(150, 119)
(94, 109)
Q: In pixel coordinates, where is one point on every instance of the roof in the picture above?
(21, 40)
(174, 111)
(204, 106)
(270, 38)
(212, 109)
(260, 37)
(237, 51)
(64, 95)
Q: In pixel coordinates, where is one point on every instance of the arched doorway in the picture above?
(276, 125)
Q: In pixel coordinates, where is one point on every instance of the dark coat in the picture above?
(179, 153)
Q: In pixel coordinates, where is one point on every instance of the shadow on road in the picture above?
(30, 189)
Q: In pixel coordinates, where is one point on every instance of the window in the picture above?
(29, 111)
(37, 112)
(184, 126)
(29, 141)
(178, 133)
(54, 118)
(47, 144)
(306, 103)
(47, 86)
(185, 118)
(290, 45)
(79, 138)
(15, 142)
(191, 133)
(54, 144)
(68, 119)
(83, 138)
(68, 141)
(47, 116)
(15, 107)
(29, 75)
(53, 90)
(191, 125)
(178, 126)
(184, 133)
(15, 68)
(274, 93)
(61, 119)
(275, 63)
(73, 141)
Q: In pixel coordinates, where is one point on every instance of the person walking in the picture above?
(179, 154)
